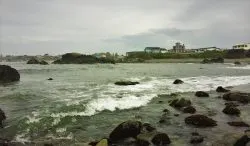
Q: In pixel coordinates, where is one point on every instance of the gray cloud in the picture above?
(58, 26)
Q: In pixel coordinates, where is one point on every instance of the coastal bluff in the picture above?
(77, 58)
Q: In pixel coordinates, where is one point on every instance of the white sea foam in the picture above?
(21, 138)
(240, 67)
(141, 94)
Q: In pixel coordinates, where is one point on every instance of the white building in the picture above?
(155, 50)
(245, 46)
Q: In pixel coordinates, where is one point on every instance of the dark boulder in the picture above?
(237, 96)
(237, 63)
(200, 121)
(231, 110)
(140, 142)
(125, 130)
(189, 109)
(126, 83)
(221, 89)
(201, 94)
(243, 141)
(166, 111)
(178, 81)
(231, 104)
(196, 138)
(50, 79)
(8, 74)
(2, 118)
(33, 61)
(146, 127)
(161, 139)
(179, 103)
(238, 124)
(43, 62)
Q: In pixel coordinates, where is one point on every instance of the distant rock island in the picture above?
(77, 58)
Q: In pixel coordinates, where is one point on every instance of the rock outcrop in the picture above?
(76, 58)
(126, 83)
(178, 81)
(2, 118)
(201, 94)
(231, 110)
(237, 96)
(200, 121)
(36, 61)
(8, 74)
(126, 130)
(213, 60)
(221, 89)
(180, 103)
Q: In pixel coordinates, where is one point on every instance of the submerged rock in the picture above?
(238, 124)
(179, 103)
(50, 79)
(200, 121)
(8, 74)
(178, 81)
(221, 89)
(231, 110)
(125, 130)
(237, 96)
(201, 94)
(33, 61)
(237, 63)
(161, 139)
(2, 118)
(196, 138)
(189, 109)
(126, 83)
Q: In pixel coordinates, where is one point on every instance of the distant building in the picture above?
(205, 49)
(245, 46)
(178, 48)
(155, 50)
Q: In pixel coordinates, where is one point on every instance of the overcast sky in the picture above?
(88, 26)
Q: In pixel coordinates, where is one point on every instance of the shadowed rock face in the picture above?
(201, 94)
(125, 130)
(2, 118)
(8, 74)
(237, 96)
(200, 121)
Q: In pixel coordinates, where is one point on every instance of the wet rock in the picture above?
(213, 60)
(173, 94)
(196, 138)
(48, 144)
(160, 101)
(2, 118)
(200, 121)
(238, 124)
(229, 139)
(243, 141)
(178, 81)
(221, 89)
(103, 142)
(237, 96)
(126, 83)
(162, 121)
(231, 110)
(237, 63)
(231, 104)
(50, 79)
(125, 130)
(146, 127)
(33, 61)
(165, 110)
(189, 109)
(179, 103)
(161, 139)
(43, 62)
(176, 115)
(140, 142)
(8, 74)
(201, 94)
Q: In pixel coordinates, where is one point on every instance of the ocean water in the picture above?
(82, 103)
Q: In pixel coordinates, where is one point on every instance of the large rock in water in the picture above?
(8, 74)
(125, 130)
(161, 139)
(180, 103)
(231, 110)
(2, 118)
(155, 138)
(189, 109)
(178, 81)
(200, 121)
(238, 124)
(213, 60)
(76, 58)
(237, 96)
(201, 94)
(126, 83)
(221, 89)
